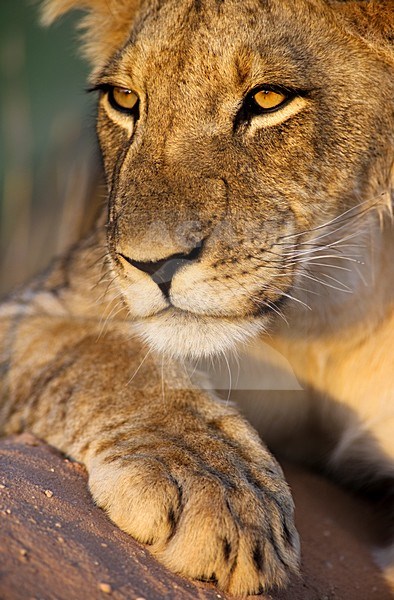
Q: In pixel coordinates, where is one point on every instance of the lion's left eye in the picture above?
(266, 100)
(123, 100)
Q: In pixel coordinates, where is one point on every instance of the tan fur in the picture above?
(291, 215)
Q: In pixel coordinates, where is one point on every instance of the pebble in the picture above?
(23, 555)
(48, 493)
(105, 588)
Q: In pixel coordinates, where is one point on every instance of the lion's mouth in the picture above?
(189, 308)
(265, 309)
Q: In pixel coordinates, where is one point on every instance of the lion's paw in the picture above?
(208, 515)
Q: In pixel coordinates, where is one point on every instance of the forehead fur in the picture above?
(372, 19)
(106, 24)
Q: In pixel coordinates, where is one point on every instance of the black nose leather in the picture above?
(162, 271)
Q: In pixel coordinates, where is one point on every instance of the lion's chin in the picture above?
(183, 335)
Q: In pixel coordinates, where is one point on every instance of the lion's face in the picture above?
(231, 132)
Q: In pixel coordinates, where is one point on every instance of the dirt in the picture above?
(56, 545)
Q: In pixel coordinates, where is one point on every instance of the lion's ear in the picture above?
(372, 19)
(105, 26)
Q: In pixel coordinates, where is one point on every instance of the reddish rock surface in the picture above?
(56, 545)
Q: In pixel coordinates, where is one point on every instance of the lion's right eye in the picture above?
(123, 100)
(267, 100)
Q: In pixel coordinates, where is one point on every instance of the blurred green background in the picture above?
(48, 156)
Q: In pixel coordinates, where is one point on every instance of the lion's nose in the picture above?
(163, 271)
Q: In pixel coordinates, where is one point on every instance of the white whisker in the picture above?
(162, 379)
(324, 283)
(290, 297)
(340, 283)
(345, 216)
(318, 264)
(229, 377)
(139, 367)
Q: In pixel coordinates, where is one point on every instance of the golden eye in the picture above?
(268, 100)
(123, 99)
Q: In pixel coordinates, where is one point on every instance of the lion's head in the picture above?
(232, 133)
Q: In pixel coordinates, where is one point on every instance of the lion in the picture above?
(248, 152)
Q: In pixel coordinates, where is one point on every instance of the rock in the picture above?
(56, 545)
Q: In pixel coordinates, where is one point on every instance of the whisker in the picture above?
(324, 283)
(229, 377)
(318, 264)
(162, 380)
(276, 310)
(335, 256)
(342, 218)
(346, 288)
(302, 289)
(139, 366)
(330, 246)
(119, 306)
(290, 297)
